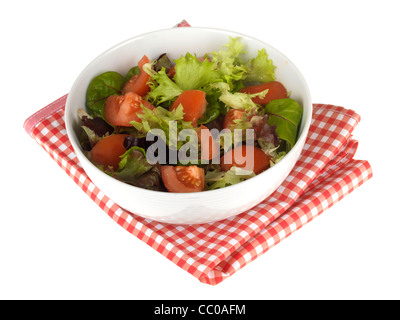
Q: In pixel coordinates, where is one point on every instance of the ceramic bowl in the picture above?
(199, 207)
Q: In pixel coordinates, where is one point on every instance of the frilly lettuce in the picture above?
(228, 62)
(163, 88)
(260, 69)
(220, 179)
(193, 74)
(160, 118)
(220, 74)
(238, 100)
(271, 150)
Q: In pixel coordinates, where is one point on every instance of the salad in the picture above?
(191, 124)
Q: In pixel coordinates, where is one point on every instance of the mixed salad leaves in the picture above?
(133, 125)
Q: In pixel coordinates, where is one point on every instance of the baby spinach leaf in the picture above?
(134, 71)
(286, 115)
(212, 111)
(100, 88)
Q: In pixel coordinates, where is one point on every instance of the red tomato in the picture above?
(194, 104)
(209, 149)
(254, 159)
(108, 150)
(138, 84)
(171, 72)
(183, 179)
(276, 91)
(231, 116)
(120, 110)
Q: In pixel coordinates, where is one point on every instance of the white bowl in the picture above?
(199, 207)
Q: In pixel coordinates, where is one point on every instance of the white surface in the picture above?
(187, 208)
(56, 243)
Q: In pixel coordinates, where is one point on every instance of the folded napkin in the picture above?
(324, 174)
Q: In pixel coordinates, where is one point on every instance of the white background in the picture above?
(55, 243)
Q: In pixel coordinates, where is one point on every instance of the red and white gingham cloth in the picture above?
(212, 252)
(324, 174)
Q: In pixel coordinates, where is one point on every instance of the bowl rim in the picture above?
(206, 193)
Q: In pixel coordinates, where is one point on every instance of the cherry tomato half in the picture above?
(276, 90)
(183, 179)
(121, 109)
(254, 159)
(194, 104)
(138, 84)
(108, 150)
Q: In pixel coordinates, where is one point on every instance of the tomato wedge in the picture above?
(108, 150)
(194, 104)
(120, 110)
(208, 146)
(276, 90)
(171, 72)
(254, 159)
(183, 179)
(230, 117)
(138, 84)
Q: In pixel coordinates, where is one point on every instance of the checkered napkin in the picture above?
(212, 252)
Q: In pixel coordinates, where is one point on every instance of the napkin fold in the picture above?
(325, 172)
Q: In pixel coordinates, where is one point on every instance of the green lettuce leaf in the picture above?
(163, 88)
(160, 118)
(271, 150)
(220, 179)
(228, 62)
(238, 100)
(260, 68)
(193, 74)
(286, 115)
(100, 88)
